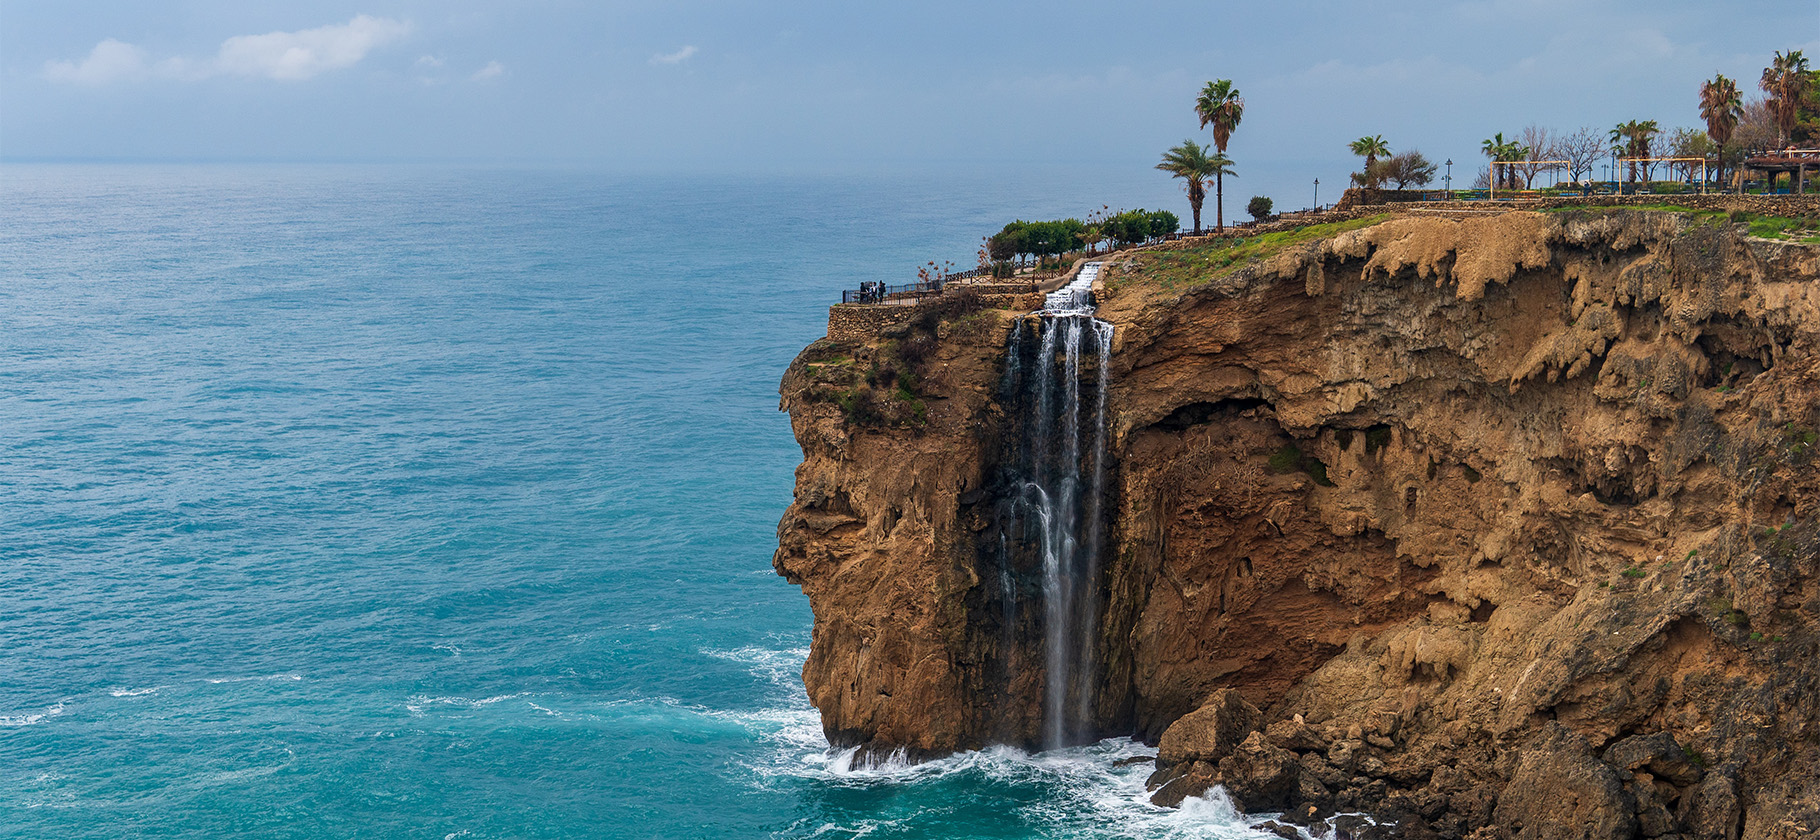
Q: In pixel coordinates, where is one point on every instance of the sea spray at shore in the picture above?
(1090, 792)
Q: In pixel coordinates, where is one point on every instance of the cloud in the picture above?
(493, 70)
(284, 56)
(109, 61)
(294, 56)
(677, 57)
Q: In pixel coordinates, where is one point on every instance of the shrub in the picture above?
(1260, 207)
(915, 348)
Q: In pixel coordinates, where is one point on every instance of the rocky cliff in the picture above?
(1496, 526)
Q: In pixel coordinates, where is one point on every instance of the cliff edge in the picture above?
(1489, 526)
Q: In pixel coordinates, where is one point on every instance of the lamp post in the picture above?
(1448, 180)
(1317, 193)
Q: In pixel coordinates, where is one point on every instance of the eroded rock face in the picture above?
(1438, 497)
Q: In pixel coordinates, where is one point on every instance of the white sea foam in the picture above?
(418, 702)
(133, 692)
(264, 678)
(1095, 796)
(447, 648)
(31, 718)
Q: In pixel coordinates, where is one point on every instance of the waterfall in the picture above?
(1057, 484)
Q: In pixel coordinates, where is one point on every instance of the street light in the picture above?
(1449, 179)
(1317, 193)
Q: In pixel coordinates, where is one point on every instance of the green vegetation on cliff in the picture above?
(1205, 260)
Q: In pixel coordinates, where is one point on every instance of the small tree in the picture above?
(1405, 169)
(1010, 243)
(1259, 207)
(1582, 150)
(1690, 143)
(1541, 144)
(1163, 223)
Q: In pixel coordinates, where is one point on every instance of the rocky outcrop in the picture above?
(1503, 524)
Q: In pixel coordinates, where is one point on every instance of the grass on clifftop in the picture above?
(1795, 228)
(1201, 262)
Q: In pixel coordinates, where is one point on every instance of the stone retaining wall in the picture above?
(860, 322)
(1006, 287)
(864, 322)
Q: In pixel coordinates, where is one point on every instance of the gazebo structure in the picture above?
(1791, 160)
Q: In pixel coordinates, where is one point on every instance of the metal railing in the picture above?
(877, 292)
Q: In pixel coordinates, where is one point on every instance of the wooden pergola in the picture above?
(1793, 161)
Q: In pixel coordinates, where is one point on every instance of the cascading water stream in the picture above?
(1059, 483)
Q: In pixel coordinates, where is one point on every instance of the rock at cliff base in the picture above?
(1183, 781)
(1210, 732)
(1561, 792)
(1295, 735)
(1260, 776)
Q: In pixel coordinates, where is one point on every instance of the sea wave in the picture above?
(419, 702)
(31, 718)
(1091, 791)
(290, 677)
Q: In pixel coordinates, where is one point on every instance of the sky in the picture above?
(839, 87)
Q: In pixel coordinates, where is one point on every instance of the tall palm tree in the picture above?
(1369, 148)
(1192, 163)
(1221, 106)
(1721, 107)
(1786, 81)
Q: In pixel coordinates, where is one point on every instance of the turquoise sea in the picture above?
(392, 502)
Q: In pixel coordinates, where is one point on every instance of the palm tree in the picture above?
(1221, 106)
(1632, 138)
(1501, 150)
(1720, 106)
(1191, 163)
(1786, 81)
(1369, 148)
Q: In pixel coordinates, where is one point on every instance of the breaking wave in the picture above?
(1092, 791)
